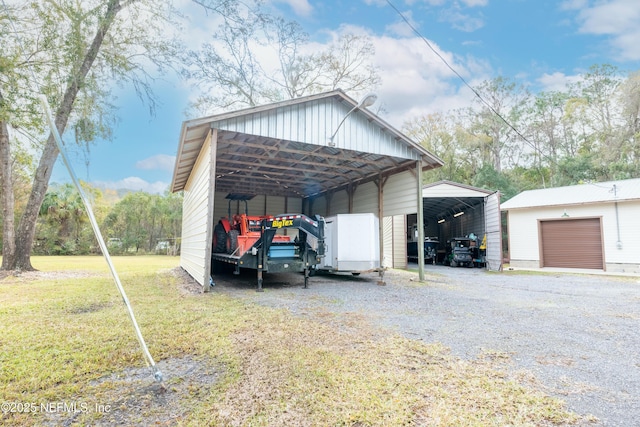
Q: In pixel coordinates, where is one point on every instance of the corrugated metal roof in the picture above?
(444, 197)
(449, 188)
(281, 148)
(599, 192)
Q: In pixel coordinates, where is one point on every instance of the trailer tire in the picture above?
(232, 241)
(219, 239)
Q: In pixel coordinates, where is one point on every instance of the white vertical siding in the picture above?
(276, 205)
(493, 230)
(387, 242)
(628, 214)
(339, 203)
(400, 241)
(394, 244)
(400, 195)
(365, 200)
(196, 218)
(256, 206)
(294, 205)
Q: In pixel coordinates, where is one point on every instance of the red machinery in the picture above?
(237, 236)
(253, 242)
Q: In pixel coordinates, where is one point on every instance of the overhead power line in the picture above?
(462, 79)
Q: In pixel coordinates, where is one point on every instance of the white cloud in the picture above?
(415, 81)
(556, 81)
(299, 7)
(474, 3)
(461, 21)
(400, 27)
(574, 4)
(133, 183)
(619, 19)
(162, 162)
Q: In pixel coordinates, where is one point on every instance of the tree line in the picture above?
(137, 222)
(75, 52)
(512, 140)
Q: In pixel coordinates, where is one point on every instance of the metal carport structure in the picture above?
(452, 209)
(281, 152)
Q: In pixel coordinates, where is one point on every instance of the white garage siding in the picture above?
(387, 242)
(524, 248)
(220, 207)
(394, 241)
(277, 205)
(400, 195)
(365, 199)
(493, 230)
(197, 205)
(339, 203)
(399, 241)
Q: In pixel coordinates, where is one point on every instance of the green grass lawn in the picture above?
(66, 339)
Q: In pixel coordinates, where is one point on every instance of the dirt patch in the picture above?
(187, 285)
(134, 398)
(30, 276)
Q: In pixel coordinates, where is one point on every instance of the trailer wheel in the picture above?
(219, 239)
(232, 241)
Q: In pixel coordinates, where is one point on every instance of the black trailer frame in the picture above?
(307, 255)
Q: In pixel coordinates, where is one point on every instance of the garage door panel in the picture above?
(575, 243)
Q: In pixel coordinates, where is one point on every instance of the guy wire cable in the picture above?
(103, 246)
(157, 374)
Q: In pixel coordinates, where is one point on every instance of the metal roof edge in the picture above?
(183, 131)
(550, 205)
(460, 185)
(257, 109)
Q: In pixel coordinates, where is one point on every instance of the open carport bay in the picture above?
(574, 336)
(453, 210)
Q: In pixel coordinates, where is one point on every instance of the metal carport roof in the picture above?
(281, 149)
(444, 198)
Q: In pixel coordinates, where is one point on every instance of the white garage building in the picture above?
(588, 226)
(284, 156)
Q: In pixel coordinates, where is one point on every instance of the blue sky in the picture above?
(542, 44)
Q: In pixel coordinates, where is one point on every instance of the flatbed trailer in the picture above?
(266, 254)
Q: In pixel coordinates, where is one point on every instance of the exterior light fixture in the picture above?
(565, 214)
(440, 221)
(367, 101)
(456, 215)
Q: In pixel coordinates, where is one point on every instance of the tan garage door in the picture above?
(572, 243)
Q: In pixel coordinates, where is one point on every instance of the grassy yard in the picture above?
(68, 355)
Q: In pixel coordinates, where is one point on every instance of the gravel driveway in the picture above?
(575, 336)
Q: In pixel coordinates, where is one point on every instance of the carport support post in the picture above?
(420, 222)
(261, 255)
